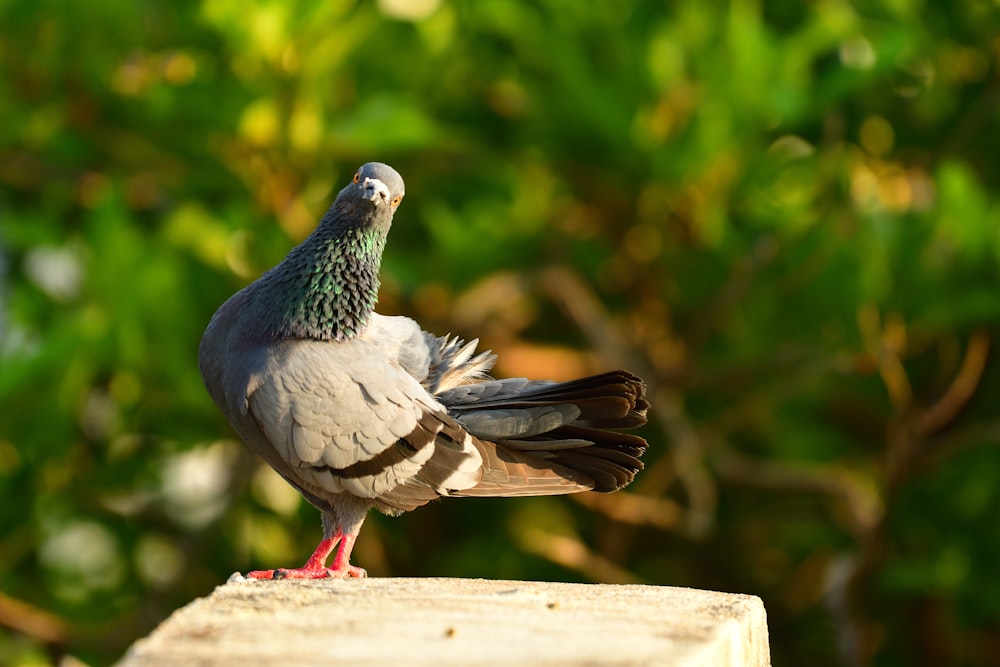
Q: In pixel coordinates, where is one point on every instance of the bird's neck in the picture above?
(327, 287)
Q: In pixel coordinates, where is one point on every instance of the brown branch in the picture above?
(960, 440)
(572, 553)
(634, 509)
(961, 389)
(884, 343)
(580, 303)
(32, 621)
(584, 308)
(862, 503)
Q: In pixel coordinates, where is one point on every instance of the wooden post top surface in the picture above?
(388, 621)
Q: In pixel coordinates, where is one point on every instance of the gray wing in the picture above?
(335, 418)
(347, 418)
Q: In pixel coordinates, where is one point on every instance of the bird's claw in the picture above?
(348, 572)
(352, 571)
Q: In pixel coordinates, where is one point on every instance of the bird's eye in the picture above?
(357, 177)
(395, 200)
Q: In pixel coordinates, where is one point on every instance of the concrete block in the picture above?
(468, 622)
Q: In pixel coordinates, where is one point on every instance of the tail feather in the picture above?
(538, 437)
(607, 475)
(609, 400)
(626, 443)
(577, 447)
(507, 472)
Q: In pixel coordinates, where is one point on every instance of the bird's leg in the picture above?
(341, 562)
(343, 526)
(334, 532)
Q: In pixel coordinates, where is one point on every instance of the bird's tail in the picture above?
(542, 437)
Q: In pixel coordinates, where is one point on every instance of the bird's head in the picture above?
(378, 184)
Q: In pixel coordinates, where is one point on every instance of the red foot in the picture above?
(315, 567)
(308, 573)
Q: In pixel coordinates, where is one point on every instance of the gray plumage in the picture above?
(359, 410)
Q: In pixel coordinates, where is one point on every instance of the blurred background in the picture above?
(785, 216)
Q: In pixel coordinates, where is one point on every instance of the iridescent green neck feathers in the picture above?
(327, 287)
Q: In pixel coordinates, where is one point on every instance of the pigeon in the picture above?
(359, 410)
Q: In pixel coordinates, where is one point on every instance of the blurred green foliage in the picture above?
(784, 215)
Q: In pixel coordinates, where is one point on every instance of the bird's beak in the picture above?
(374, 190)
